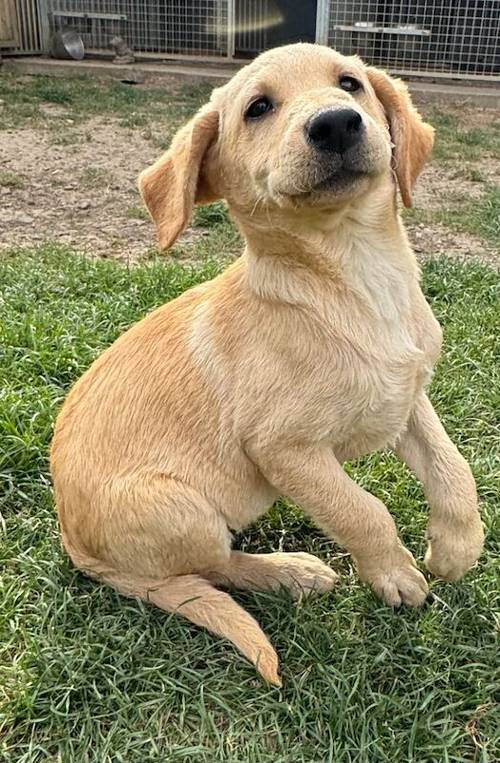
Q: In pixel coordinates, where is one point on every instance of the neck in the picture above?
(289, 250)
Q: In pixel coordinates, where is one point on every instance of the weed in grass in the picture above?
(96, 177)
(88, 675)
(16, 115)
(11, 180)
(134, 119)
(54, 90)
(64, 137)
(147, 133)
(220, 244)
(162, 140)
(136, 212)
(211, 215)
(475, 175)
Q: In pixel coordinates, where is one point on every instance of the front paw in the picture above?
(453, 549)
(397, 580)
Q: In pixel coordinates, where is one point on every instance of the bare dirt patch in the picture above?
(84, 194)
(436, 240)
(438, 186)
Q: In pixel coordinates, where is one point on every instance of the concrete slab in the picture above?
(479, 95)
(139, 72)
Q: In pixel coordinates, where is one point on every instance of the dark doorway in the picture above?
(262, 24)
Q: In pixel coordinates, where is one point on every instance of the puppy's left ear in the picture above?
(412, 138)
(178, 180)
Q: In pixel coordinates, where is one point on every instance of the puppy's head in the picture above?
(301, 126)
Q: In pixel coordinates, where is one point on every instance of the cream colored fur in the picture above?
(313, 348)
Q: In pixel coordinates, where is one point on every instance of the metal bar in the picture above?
(449, 75)
(43, 20)
(322, 21)
(362, 29)
(22, 25)
(220, 59)
(32, 30)
(103, 16)
(231, 16)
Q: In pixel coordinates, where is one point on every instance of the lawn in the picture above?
(87, 676)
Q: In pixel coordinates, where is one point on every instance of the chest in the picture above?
(381, 385)
(378, 366)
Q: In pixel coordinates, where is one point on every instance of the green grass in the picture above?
(476, 216)
(96, 177)
(211, 215)
(136, 212)
(456, 141)
(11, 180)
(84, 97)
(88, 676)
(480, 217)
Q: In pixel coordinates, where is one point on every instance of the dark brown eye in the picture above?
(258, 108)
(350, 84)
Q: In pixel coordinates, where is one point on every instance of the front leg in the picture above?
(311, 476)
(455, 531)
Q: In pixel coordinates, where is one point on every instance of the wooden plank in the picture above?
(9, 34)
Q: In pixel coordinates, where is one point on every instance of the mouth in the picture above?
(339, 180)
(327, 181)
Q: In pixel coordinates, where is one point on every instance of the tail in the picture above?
(198, 601)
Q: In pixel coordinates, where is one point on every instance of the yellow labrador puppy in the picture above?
(313, 348)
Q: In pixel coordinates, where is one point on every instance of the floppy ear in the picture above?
(177, 181)
(412, 138)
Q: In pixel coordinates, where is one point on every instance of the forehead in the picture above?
(292, 69)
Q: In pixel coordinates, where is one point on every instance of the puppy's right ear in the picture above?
(177, 180)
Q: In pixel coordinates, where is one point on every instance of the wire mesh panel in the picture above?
(458, 37)
(164, 27)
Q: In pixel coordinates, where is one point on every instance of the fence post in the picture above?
(322, 21)
(43, 19)
(230, 28)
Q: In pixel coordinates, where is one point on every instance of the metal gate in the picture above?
(196, 29)
(439, 38)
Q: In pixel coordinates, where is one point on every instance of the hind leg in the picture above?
(152, 538)
(157, 526)
(300, 573)
(164, 528)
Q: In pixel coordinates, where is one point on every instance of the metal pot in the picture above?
(66, 43)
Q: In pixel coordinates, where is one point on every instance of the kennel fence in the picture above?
(434, 38)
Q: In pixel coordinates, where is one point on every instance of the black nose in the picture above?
(335, 130)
